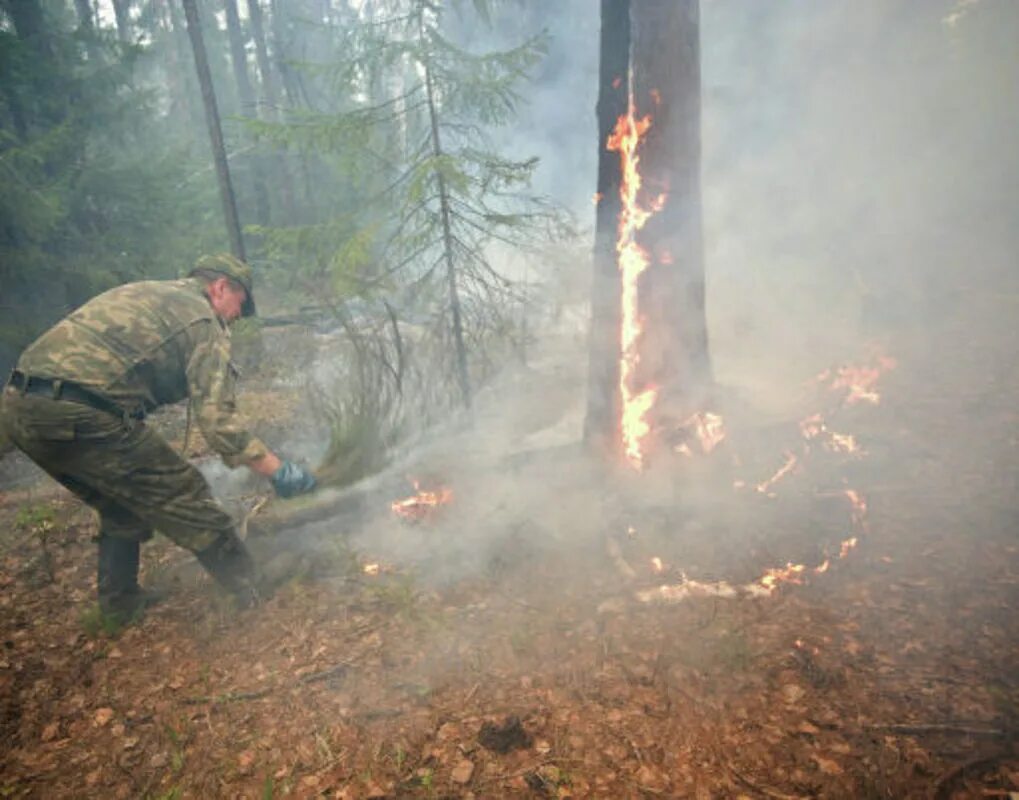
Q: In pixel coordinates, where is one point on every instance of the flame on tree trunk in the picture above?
(601, 422)
(653, 313)
(665, 64)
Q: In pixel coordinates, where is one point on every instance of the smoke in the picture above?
(859, 177)
(859, 167)
(858, 173)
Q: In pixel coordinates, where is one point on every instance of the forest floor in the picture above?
(542, 673)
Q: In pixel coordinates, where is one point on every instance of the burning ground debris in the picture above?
(704, 431)
(857, 381)
(386, 686)
(851, 384)
(424, 504)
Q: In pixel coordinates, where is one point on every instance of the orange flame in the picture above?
(859, 509)
(418, 506)
(785, 469)
(814, 427)
(633, 261)
(790, 573)
(842, 443)
(709, 430)
(859, 382)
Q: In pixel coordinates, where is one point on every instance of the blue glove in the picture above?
(292, 479)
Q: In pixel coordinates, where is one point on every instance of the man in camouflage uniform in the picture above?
(76, 403)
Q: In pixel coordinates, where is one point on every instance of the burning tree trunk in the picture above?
(601, 422)
(226, 190)
(666, 83)
(649, 348)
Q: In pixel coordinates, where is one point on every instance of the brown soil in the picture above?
(893, 675)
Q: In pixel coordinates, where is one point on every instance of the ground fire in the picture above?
(859, 382)
(423, 504)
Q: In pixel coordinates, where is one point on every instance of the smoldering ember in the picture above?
(420, 399)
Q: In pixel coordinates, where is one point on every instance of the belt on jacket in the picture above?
(70, 391)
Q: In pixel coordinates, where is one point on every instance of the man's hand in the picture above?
(292, 479)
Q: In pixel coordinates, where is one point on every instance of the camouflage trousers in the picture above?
(124, 470)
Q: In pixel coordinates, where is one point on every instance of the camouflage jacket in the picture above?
(144, 345)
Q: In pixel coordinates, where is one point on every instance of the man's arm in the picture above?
(212, 386)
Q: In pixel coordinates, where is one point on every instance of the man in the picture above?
(76, 403)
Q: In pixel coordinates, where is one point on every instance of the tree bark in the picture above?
(270, 107)
(666, 83)
(279, 26)
(182, 78)
(290, 87)
(121, 9)
(84, 9)
(226, 191)
(86, 24)
(270, 92)
(601, 421)
(29, 24)
(43, 97)
(239, 61)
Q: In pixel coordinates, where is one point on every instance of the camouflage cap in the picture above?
(232, 268)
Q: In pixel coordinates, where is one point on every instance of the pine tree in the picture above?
(430, 206)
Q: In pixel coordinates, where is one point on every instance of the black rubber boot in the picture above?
(230, 564)
(120, 596)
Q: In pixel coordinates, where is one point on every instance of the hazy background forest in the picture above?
(847, 176)
(415, 180)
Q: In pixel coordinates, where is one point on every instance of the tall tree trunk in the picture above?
(187, 79)
(86, 24)
(27, 18)
(279, 36)
(45, 96)
(270, 107)
(29, 23)
(463, 377)
(239, 60)
(226, 191)
(290, 87)
(84, 9)
(601, 424)
(270, 92)
(121, 13)
(666, 75)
